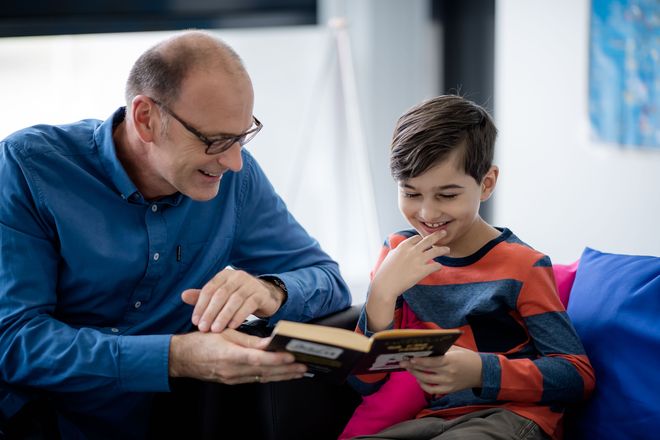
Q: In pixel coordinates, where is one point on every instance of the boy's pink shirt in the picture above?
(401, 398)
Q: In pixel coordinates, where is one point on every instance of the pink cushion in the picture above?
(564, 276)
(401, 398)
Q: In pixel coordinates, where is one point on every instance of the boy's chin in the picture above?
(441, 242)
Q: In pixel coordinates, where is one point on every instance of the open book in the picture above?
(334, 353)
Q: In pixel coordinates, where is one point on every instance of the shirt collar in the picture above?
(113, 167)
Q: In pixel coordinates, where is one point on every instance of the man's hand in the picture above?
(457, 370)
(230, 297)
(229, 357)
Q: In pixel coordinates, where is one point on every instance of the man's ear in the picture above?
(146, 118)
(489, 182)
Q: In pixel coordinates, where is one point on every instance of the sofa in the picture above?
(614, 303)
(612, 299)
(292, 410)
(300, 409)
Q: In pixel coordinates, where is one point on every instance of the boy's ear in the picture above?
(488, 183)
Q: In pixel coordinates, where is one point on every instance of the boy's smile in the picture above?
(430, 228)
(446, 198)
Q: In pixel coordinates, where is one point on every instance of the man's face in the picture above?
(445, 198)
(214, 104)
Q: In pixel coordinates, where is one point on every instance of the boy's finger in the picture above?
(411, 241)
(431, 239)
(437, 251)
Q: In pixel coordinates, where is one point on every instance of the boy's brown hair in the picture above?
(427, 133)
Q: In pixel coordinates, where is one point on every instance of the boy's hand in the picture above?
(403, 267)
(457, 370)
(407, 265)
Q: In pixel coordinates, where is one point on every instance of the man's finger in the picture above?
(242, 339)
(220, 308)
(240, 304)
(281, 377)
(207, 307)
(247, 377)
(223, 317)
(256, 346)
(248, 307)
(190, 296)
(262, 343)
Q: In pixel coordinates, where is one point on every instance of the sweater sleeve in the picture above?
(367, 384)
(561, 372)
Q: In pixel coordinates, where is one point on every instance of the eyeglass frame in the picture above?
(228, 140)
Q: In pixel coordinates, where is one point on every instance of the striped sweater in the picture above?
(504, 299)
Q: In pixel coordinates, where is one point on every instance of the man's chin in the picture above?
(202, 196)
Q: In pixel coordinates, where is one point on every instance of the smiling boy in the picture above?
(519, 360)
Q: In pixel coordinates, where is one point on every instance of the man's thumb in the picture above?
(190, 296)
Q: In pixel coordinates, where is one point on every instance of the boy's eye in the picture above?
(409, 195)
(448, 196)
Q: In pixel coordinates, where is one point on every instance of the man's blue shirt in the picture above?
(91, 273)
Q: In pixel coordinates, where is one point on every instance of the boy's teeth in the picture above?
(433, 225)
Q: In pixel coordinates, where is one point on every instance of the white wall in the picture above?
(559, 190)
(303, 146)
(397, 51)
(306, 147)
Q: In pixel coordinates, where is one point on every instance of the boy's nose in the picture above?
(429, 213)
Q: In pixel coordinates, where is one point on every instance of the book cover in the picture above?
(334, 353)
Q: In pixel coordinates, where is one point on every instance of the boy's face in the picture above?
(445, 197)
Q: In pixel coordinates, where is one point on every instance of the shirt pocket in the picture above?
(199, 261)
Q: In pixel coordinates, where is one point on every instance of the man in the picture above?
(104, 224)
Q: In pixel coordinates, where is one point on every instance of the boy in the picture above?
(519, 360)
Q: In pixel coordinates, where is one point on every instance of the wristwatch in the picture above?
(278, 283)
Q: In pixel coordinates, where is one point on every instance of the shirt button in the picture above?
(114, 330)
(137, 304)
(154, 208)
(156, 256)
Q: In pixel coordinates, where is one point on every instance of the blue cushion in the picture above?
(615, 307)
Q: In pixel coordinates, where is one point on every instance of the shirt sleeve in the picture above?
(36, 349)
(561, 372)
(269, 241)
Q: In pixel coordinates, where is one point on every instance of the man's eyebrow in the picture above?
(435, 188)
(224, 136)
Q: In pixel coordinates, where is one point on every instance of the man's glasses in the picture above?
(221, 143)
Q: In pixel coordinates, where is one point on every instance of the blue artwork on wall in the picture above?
(624, 72)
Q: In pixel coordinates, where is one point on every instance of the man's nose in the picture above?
(232, 159)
